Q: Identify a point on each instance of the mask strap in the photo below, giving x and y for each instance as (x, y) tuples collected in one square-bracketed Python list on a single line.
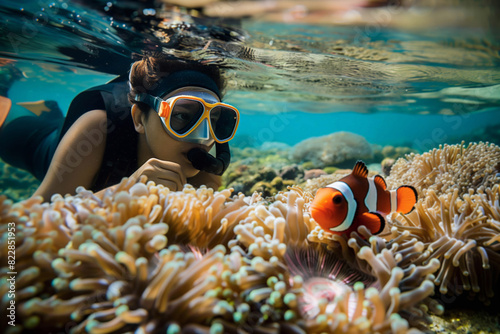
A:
[(152, 101)]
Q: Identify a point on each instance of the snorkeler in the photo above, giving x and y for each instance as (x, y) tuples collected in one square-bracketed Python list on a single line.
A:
[(161, 123)]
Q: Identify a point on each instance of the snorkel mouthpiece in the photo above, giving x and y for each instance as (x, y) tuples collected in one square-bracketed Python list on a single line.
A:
[(203, 161)]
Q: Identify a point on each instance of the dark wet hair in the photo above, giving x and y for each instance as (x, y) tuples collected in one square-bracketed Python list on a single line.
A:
[(146, 73)]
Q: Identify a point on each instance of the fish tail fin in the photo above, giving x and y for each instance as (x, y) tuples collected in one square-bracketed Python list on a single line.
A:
[(54, 109), (45, 108), (5, 105), (374, 221), (406, 199)]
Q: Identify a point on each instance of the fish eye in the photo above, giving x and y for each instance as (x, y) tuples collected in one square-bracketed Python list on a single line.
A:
[(337, 199)]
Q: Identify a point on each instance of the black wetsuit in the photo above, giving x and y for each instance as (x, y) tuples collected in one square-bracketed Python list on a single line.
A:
[(29, 142)]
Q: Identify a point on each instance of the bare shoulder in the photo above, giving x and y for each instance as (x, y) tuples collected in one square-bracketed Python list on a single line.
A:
[(92, 119), (78, 156), (87, 136)]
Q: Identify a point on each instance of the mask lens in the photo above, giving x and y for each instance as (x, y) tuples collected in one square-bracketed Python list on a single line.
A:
[(224, 121), (185, 113)]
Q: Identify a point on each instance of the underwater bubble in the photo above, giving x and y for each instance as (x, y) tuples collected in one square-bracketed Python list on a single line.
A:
[(149, 11)]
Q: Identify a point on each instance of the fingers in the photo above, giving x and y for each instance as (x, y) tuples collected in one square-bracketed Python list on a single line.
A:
[(170, 168), (169, 179), (166, 173)]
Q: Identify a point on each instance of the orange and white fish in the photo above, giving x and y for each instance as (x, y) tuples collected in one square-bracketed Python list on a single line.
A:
[(356, 199)]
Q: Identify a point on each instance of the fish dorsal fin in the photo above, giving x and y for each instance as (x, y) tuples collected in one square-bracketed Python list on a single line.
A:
[(380, 181), (360, 169)]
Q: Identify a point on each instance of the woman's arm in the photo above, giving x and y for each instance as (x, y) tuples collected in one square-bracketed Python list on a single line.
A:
[(78, 156)]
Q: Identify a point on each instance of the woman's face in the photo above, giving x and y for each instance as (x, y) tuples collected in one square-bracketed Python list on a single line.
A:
[(164, 146)]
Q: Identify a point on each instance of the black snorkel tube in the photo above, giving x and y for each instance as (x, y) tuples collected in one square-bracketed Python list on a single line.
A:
[(204, 161)]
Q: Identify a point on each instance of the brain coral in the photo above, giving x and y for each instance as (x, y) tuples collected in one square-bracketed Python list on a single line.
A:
[(339, 148), (146, 260)]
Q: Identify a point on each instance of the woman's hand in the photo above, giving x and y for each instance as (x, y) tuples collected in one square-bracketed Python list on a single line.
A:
[(162, 172), (208, 179)]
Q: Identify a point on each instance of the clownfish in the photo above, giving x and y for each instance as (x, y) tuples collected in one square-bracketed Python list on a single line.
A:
[(356, 199)]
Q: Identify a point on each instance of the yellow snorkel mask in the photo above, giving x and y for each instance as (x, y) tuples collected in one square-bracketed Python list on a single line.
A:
[(195, 117), (192, 116)]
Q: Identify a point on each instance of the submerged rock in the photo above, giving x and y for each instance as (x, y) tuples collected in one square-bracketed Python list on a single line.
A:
[(396, 152), (387, 164), (337, 149), (313, 173), (291, 172)]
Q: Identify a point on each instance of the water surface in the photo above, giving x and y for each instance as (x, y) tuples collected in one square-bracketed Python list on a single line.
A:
[(402, 76)]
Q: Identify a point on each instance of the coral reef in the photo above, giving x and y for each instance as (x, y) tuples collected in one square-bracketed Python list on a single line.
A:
[(142, 258), (313, 174), (386, 166), (395, 152), (16, 183), (312, 185), (270, 168), (337, 149), (262, 170)]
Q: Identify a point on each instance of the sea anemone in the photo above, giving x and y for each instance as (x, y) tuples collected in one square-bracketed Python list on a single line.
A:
[(111, 264), (463, 233), (398, 298), (457, 216), (325, 276), (391, 304), (447, 168), (97, 258), (142, 258)]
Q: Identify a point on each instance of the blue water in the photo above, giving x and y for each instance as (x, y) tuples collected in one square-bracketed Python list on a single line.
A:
[(284, 121), (422, 133), (413, 87)]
